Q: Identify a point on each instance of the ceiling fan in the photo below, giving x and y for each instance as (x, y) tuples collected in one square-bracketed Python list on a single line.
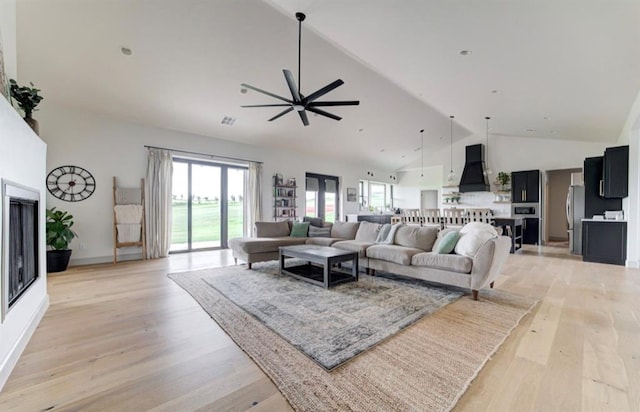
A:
[(298, 101)]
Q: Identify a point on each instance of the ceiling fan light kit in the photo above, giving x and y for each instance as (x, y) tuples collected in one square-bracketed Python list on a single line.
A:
[(298, 101)]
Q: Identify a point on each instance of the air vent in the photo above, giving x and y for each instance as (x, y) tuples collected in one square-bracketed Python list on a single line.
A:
[(229, 121)]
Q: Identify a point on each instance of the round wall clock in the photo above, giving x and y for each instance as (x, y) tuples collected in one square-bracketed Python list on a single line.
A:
[(71, 183)]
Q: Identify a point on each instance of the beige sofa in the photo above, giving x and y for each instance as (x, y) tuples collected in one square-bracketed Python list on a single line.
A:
[(409, 254)]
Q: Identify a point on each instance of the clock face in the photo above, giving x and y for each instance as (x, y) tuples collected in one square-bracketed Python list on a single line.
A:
[(71, 183)]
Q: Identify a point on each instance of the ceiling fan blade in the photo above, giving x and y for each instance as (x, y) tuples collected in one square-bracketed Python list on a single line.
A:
[(292, 85), (282, 113), (326, 89), (267, 105), (323, 113), (303, 117), (265, 92), (336, 103)]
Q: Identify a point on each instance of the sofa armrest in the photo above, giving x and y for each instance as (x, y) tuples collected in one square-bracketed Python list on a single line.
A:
[(488, 262)]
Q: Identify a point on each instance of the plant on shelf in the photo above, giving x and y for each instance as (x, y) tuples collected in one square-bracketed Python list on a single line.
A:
[(28, 99), (59, 235), (503, 180)]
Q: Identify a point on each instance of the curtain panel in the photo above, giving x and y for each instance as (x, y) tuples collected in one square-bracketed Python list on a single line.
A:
[(254, 193), (158, 192)]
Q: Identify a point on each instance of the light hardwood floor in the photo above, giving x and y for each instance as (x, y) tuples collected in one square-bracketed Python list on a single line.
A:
[(125, 337)]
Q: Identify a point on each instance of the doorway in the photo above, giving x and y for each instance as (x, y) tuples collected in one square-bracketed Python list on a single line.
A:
[(428, 199), (207, 204)]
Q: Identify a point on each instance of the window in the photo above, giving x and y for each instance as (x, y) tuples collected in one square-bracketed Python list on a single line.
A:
[(322, 197), (375, 196)]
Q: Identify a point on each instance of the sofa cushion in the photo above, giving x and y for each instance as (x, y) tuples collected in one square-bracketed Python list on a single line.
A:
[(322, 241), (368, 232), (447, 243), (315, 231), (416, 237), (450, 262), (314, 221), (353, 246), (272, 229), (392, 253), (264, 244), (344, 230), (299, 229)]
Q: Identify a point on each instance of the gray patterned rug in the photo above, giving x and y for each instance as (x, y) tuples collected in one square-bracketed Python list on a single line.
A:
[(329, 326)]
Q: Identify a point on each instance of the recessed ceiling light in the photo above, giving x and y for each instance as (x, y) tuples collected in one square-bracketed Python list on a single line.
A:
[(417, 149), (243, 90), (381, 150), (360, 130), (547, 118), (553, 131), (496, 91), (531, 130), (402, 156), (126, 51), (465, 52)]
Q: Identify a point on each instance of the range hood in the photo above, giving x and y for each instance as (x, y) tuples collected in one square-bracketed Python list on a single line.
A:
[(474, 178)]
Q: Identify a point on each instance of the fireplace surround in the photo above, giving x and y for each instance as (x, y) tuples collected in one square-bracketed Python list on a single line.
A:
[(20, 260)]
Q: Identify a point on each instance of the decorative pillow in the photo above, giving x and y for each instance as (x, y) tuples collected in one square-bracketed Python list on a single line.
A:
[(314, 221), (300, 229), (470, 243), (442, 233), (391, 237), (272, 229), (474, 227), (447, 243), (319, 231), (383, 232), (367, 232)]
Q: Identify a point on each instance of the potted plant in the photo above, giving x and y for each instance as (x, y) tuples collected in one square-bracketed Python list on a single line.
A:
[(59, 235), (503, 180), (28, 99)]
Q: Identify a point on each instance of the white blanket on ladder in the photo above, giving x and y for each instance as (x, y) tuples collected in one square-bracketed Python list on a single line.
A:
[(128, 214), (129, 233)]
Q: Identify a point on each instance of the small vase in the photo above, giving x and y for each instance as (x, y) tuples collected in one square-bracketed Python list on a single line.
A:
[(33, 123)]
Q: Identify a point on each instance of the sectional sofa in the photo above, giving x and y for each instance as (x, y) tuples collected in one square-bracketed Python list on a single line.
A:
[(409, 252)]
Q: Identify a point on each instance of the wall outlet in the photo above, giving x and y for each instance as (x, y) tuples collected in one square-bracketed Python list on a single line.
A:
[(82, 246)]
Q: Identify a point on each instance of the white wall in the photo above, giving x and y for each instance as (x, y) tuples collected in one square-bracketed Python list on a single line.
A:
[(22, 161), (107, 147), (410, 184)]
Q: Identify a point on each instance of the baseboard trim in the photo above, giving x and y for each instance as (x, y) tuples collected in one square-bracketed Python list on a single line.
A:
[(632, 264), (105, 259), (14, 355)]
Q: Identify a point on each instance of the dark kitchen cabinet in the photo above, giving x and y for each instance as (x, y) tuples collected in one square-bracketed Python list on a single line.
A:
[(594, 202), (604, 242), (530, 230), (525, 186), (616, 172)]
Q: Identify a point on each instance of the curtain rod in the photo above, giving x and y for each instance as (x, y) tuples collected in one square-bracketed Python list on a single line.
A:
[(202, 154)]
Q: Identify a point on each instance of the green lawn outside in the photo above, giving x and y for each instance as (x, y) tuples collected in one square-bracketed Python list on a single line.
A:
[(206, 221)]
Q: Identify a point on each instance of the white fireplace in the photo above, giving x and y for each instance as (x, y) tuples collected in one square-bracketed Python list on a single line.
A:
[(20, 260)]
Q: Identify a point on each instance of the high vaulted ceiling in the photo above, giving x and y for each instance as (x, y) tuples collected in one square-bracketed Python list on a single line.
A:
[(553, 69)]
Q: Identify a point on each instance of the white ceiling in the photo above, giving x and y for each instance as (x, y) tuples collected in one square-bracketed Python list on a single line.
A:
[(575, 63)]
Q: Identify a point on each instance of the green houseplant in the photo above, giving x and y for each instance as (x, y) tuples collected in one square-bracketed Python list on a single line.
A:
[(28, 99), (503, 179), (58, 237)]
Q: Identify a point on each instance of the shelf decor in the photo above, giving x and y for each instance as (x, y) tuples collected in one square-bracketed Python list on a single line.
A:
[(284, 198)]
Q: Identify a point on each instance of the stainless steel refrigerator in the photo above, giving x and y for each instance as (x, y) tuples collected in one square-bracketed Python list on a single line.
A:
[(575, 214)]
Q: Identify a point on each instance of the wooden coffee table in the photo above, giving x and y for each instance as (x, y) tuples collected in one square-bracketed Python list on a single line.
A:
[(319, 267)]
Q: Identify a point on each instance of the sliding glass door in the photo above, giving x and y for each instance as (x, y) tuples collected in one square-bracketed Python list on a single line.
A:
[(321, 197), (208, 204)]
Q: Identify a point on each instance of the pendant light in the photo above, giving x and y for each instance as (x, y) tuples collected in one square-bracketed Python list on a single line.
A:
[(487, 171), (421, 152), (451, 177)]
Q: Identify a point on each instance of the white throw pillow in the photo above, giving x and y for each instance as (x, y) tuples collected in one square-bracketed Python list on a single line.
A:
[(475, 227), (470, 243)]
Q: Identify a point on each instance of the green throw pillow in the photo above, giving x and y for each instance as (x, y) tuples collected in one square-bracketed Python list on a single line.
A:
[(299, 229), (447, 243)]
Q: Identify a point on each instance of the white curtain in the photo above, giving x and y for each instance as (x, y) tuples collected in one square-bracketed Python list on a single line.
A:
[(254, 193), (157, 193)]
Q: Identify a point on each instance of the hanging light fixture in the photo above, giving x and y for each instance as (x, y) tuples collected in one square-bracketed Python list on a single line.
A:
[(421, 152), (487, 171), (451, 177)]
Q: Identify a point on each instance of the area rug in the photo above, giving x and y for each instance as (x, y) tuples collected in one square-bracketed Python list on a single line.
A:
[(333, 325), (426, 366)]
